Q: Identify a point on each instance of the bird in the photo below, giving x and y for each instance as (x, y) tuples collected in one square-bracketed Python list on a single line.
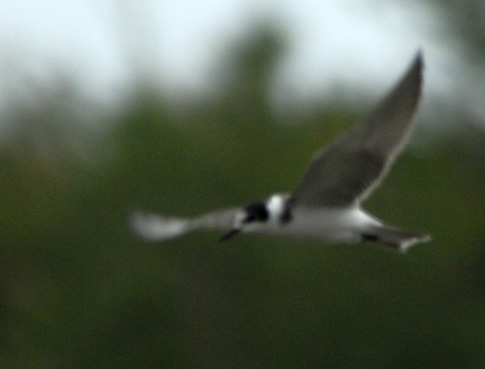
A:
[(326, 206)]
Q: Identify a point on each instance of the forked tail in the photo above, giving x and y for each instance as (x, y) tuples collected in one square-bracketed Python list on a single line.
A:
[(396, 238)]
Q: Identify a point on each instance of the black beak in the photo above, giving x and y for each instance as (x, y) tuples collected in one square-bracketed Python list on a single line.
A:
[(229, 234)]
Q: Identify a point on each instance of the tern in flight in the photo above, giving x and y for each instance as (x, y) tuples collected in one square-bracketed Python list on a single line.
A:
[(326, 205)]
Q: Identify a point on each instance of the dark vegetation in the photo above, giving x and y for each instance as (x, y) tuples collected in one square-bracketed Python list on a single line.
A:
[(78, 291)]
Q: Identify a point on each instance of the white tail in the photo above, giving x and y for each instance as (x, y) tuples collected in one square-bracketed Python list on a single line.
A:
[(396, 238)]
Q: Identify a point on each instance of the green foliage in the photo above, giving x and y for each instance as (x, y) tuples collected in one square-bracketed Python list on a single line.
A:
[(78, 291)]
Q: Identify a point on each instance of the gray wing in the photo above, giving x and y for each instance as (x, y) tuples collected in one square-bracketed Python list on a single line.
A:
[(347, 171)]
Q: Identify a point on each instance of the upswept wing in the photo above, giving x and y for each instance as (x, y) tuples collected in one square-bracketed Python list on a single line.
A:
[(351, 167)]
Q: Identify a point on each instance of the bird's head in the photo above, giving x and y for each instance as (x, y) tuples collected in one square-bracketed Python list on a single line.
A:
[(257, 214)]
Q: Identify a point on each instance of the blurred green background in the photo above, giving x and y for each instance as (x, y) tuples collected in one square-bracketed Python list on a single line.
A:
[(77, 290)]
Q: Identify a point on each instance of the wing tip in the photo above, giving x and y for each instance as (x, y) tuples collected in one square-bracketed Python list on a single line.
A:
[(418, 64), (154, 228), (419, 58)]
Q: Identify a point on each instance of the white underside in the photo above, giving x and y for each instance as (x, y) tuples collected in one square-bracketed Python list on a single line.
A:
[(331, 225), (335, 225)]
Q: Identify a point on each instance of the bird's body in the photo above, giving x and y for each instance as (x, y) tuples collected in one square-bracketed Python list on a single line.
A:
[(331, 224), (326, 205)]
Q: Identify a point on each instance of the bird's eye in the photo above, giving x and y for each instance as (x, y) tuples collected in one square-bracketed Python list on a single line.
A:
[(256, 211)]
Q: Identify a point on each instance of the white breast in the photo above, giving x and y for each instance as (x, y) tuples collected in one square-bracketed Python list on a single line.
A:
[(335, 225), (276, 206)]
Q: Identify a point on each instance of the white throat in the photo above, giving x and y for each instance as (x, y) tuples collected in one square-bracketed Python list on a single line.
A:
[(276, 205)]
